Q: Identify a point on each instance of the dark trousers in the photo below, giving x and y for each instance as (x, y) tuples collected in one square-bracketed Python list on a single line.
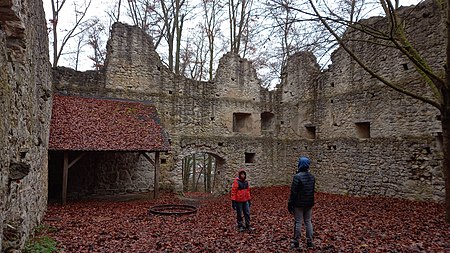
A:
[(243, 208)]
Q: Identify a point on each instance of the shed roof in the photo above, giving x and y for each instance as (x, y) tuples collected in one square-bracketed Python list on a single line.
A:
[(94, 124)]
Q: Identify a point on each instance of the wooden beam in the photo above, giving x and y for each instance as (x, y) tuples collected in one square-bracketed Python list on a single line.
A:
[(76, 160), (65, 176), (156, 164), (66, 168), (157, 171), (149, 158)]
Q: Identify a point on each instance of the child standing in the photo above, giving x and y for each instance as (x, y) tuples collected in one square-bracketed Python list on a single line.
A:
[(241, 200)]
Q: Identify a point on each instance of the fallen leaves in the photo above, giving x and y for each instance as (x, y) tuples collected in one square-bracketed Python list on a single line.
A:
[(341, 224), (80, 123)]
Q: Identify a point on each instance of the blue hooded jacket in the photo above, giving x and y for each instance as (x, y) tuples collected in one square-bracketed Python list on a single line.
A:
[(302, 188), (303, 164)]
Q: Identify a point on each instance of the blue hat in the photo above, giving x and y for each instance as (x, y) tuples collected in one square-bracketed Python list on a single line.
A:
[(303, 164)]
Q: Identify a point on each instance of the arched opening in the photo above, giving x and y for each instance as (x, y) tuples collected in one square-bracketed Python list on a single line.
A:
[(201, 172)]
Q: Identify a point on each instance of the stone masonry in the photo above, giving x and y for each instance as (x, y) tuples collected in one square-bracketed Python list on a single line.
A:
[(25, 105), (363, 137)]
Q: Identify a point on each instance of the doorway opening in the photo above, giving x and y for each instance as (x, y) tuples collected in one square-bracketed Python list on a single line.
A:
[(200, 172)]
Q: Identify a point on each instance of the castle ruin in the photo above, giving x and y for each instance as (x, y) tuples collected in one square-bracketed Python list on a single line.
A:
[(363, 138)]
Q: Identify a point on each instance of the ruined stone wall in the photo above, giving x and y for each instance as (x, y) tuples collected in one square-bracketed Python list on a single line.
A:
[(370, 139), (363, 138), (25, 102), (189, 110)]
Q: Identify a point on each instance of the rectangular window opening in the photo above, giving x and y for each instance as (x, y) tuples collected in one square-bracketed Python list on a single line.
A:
[(310, 132), (267, 121), (242, 122), (250, 157), (363, 130)]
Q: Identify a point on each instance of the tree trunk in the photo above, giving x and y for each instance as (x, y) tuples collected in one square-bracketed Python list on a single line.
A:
[(208, 172)]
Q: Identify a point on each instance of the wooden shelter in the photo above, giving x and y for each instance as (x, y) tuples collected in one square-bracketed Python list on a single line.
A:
[(98, 124)]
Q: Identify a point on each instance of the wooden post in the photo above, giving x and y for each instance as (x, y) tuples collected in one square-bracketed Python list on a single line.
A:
[(157, 170), (156, 164), (65, 176), (66, 168)]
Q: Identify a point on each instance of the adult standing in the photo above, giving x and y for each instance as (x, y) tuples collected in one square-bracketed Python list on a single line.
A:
[(301, 202)]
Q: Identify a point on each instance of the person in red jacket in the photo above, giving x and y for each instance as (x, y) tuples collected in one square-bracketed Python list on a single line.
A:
[(241, 200)]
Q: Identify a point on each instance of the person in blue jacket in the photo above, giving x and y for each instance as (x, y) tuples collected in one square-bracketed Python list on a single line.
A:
[(301, 202)]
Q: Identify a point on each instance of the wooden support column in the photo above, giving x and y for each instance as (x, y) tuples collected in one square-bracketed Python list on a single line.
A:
[(157, 171), (66, 168), (65, 176), (155, 164)]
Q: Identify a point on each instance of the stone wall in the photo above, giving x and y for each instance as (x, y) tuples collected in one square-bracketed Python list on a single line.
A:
[(132, 173), (399, 155), (25, 102), (363, 138)]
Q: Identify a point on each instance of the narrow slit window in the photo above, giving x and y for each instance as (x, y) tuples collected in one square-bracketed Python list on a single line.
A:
[(439, 141)]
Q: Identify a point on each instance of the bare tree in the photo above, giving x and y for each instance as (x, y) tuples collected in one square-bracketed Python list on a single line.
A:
[(199, 54), (79, 15), (75, 55), (173, 15), (96, 34), (213, 18), (239, 14), (114, 12), (199, 171), (147, 15)]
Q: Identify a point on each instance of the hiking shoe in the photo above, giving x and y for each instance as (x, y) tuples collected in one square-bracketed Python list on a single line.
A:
[(309, 244), (249, 228), (241, 229), (295, 245)]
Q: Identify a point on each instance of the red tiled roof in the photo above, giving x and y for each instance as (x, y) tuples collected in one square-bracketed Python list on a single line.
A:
[(94, 124)]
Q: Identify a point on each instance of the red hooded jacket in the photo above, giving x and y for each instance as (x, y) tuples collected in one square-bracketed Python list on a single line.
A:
[(240, 191)]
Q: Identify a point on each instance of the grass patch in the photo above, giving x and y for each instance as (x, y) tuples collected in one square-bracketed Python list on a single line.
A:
[(41, 244)]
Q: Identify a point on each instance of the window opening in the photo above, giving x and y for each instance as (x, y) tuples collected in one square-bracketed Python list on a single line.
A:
[(249, 157), (310, 132), (242, 122), (363, 130), (267, 121)]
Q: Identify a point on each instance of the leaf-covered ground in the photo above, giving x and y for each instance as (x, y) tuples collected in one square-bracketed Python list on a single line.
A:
[(341, 224)]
